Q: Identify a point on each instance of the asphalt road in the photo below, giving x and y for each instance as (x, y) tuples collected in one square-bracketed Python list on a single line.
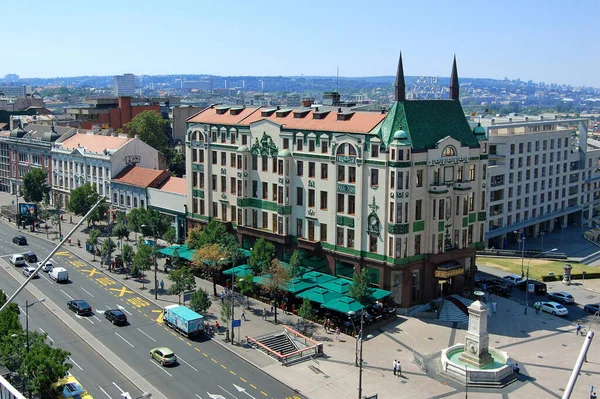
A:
[(96, 375), (206, 370)]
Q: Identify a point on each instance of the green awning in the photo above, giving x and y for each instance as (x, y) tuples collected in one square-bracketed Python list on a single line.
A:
[(297, 285), (262, 279), (238, 271), (376, 294), (319, 295), (343, 305), (339, 285), (317, 277), (182, 250), (244, 252)]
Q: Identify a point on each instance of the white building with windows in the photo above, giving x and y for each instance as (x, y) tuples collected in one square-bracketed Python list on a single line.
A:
[(124, 85), (401, 193), (80, 158)]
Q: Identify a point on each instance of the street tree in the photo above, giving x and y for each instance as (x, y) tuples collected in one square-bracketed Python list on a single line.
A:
[(181, 280), (175, 162), (261, 256), (359, 289), (210, 258), (82, 200), (245, 286), (279, 278), (212, 233), (121, 231), (128, 253), (200, 301), (151, 128), (93, 241), (143, 258), (305, 312), (154, 224), (9, 317), (108, 247), (135, 219), (170, 236), (295, 261), (226, 313), (35, 186)]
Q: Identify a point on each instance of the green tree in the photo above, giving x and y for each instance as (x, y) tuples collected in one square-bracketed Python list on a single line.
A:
[(135, 219), (200, 301), (108, 247), (93, 240), (170, 236), (295, 267), (305, 312), (245, 286), (212, 233), (143, 258), (181, 280), (226, 313), (359, 290), (9, 318), (278, 279), (210, 258), (151, 128), (175, 162), (154, 224), (261, 256), (82, 200), (128, 254), (35, 186), (121, 231)]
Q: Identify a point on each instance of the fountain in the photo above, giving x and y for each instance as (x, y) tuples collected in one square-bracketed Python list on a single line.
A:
[(474, 361)]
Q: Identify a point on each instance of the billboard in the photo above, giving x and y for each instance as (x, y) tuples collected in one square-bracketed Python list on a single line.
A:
[(27, 213)]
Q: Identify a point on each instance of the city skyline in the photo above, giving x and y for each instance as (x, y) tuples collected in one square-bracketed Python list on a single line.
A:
[(520, 41)]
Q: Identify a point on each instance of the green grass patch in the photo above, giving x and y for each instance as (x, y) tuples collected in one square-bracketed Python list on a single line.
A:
[(538, 268)]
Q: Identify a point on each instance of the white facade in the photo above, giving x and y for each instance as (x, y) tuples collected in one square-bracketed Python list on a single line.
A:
[(124, 85)]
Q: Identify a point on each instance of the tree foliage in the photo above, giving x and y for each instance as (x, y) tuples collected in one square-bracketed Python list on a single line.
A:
[(212, 233), (359, 290), (245, 286), (181, 280), (226, 311), (82, 200), (279, 277), (121, 231), (175, 162), (154, 224), (295, 261), (143, 258), (93, 240), (305, 312), (200, 301), (210, 259), (108, 247), (128, 253), (170, 235), (261, 256), (35, 186), (150, 127), (135, 219)]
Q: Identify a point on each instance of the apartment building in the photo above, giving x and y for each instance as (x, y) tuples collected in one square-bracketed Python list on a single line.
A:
[(400, 193), (124, 85), (541, 176)]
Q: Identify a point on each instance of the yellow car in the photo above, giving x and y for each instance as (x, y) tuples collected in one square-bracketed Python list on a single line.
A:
[(69, 388)]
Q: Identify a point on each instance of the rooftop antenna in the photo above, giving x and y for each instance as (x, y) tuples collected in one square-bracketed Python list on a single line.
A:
[(337, 80)]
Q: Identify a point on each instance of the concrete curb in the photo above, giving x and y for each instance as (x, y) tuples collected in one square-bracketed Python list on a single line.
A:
[(97, 346)]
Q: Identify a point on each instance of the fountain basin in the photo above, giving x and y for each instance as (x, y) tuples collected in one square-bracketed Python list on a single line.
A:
[(498, 373)]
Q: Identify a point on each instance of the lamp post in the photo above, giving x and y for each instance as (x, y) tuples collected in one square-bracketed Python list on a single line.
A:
[(522, 241), (154, 257), (527, 279), (359, 338), (542, 234), (27, 306)]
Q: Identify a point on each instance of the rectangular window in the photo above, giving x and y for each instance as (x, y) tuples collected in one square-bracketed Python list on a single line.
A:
[(311, 198), (417, 244), (323, 147), (324, 200), (223, 159), (392, 179), (299, 196), (265, 190), (300, 168), (214, 157), (239, 162), (339, 236), (223, 211), (201, 180), (372, 243), (201, 156), (232, 160), (233, 142), (351, 204), (232, 181), (351, 174), (311, 146), (323, 232), (274, 192), (244, 139), (374, 177), (350, 241), (254, 162), (223, 184), (340, 203), (374, 150), (214, 183), (286, 144), (280, 167), (324, 171), (420, 178), (265, 164), (341, 173), (299, 144), (265, 220), (418, 210), (311, 169), (254, 189)]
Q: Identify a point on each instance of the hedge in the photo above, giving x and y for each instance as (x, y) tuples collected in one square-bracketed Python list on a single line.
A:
[(577, 276)]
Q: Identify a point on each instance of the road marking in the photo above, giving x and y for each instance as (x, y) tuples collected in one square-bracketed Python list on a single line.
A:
[(232, 372), (77, 263), (224, 368), (68, 296), (162, 368), (75, 363), (25, 313), (243, 379), (104, 392), (64, 253), (119, 388), (214, 360), (146, 335), (86, 318), (44, 277), (91, 272), (47, 336), (215, 396), (188, 343), (138, 302), (122, 308), (198, 396), (119, 335), (253, 386), (96, 317), (193, 368), (159, 319), (231, 393), (264, 393), (87, 292), (105, 281), (121, 290)]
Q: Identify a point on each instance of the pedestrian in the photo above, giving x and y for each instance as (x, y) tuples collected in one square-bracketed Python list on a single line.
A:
[(244, 315), (578, 328), (165, 268), (222, 296), (494, 306), (593, 395), (264, 315), (395, 365), (337, 333), (217, 327), (398, 369), (325, 326), (162, 285), (272, 309), (516, 368)]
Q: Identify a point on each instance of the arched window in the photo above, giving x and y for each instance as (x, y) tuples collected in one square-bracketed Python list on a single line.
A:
[(342, 149), (449, 151), (346, 149)]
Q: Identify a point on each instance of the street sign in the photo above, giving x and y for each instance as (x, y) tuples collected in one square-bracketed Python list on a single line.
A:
[(187, 295), (236, 323)]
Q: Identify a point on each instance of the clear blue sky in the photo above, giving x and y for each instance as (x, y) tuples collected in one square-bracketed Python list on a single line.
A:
[(549, 41)]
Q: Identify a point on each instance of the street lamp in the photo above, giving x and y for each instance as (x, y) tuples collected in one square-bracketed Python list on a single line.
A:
[(522, 242), (562, 232), (154, 255), (359, 337), (542, 234), (27, 306), (527, 280)]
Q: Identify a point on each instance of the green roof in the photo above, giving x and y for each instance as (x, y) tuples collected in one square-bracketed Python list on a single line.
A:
[(238, 271), (182, 250), (426, 122), (319, 295), (317, 277), (343, 305), (340, 285), (376, 294), (297, 285)]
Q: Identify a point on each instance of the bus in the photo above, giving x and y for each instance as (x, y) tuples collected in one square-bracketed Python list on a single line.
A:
[(69, 388)]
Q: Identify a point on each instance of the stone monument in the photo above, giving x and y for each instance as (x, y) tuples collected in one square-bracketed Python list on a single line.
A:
[(477, 339)]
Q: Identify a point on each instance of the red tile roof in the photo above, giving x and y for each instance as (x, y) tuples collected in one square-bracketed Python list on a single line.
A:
[(95, 143), (175, 185), (141, 177), (210, 115)]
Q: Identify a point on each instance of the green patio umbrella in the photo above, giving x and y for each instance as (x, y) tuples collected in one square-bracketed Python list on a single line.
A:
[(319, 295), (297, 285), (238, 271), (262, 279), (376, 294), (317, 277), (343, 305), (339, 285)]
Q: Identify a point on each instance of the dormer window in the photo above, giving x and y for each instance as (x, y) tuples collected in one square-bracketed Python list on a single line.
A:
[(375, 150), (320, 114), (267, 112), (449, 151), (299, 114), (311, 146), (236, 111), (222, 110)]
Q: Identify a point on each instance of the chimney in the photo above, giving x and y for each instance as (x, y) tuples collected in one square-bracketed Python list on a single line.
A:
[(125, 107), (307, 101)]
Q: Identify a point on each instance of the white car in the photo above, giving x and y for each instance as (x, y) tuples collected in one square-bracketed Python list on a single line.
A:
[(513, 279), (554, 308), (47, 267), (28, 271)]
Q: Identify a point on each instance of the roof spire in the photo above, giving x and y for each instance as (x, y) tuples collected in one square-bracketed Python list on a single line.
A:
[(399, 85), (454, 81)]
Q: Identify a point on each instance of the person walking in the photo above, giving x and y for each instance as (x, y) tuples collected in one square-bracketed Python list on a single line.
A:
[(244, 315), (326, 325), (264, 315), (395, 366), (337, 333), (578, 328), (162, 285), (398, 369), (222, 297)]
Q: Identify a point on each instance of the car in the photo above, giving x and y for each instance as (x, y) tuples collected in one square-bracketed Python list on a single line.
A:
[(79, 306), (47, 267), (513, 279), (480, 281), (115, 316), (18, 260), (499, 287), (28, 271), (592, 307), (20, 240), (554, 308), (561, 297), (30, 257), (164, 356), (539, 288)]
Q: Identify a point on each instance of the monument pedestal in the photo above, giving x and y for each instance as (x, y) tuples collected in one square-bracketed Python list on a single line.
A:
[(477, 338)]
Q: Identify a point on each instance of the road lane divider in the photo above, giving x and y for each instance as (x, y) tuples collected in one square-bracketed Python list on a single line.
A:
[(119, 335), (68, 296), (192, 367), (118, 387), (75, 363), (162, 368), (103, 391), (146, 335), (91, 271), (96, 317), (122, 309), (47, 336), (87, 292)]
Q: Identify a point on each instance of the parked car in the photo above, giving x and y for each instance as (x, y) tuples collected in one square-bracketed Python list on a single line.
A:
[(28, 271), (513, 279), (164, 356), (499, 287), (18, 260), (30, 257), (47, 267), (539, 288), (20, 240), (79, 306), (115, 316), (561, 297), (592, 307), (480, 281), (554, 308)]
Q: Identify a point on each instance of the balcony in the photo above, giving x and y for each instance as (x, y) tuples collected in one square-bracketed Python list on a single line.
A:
[(268, 235), (304, 243), (438, 188), (462, 185)]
